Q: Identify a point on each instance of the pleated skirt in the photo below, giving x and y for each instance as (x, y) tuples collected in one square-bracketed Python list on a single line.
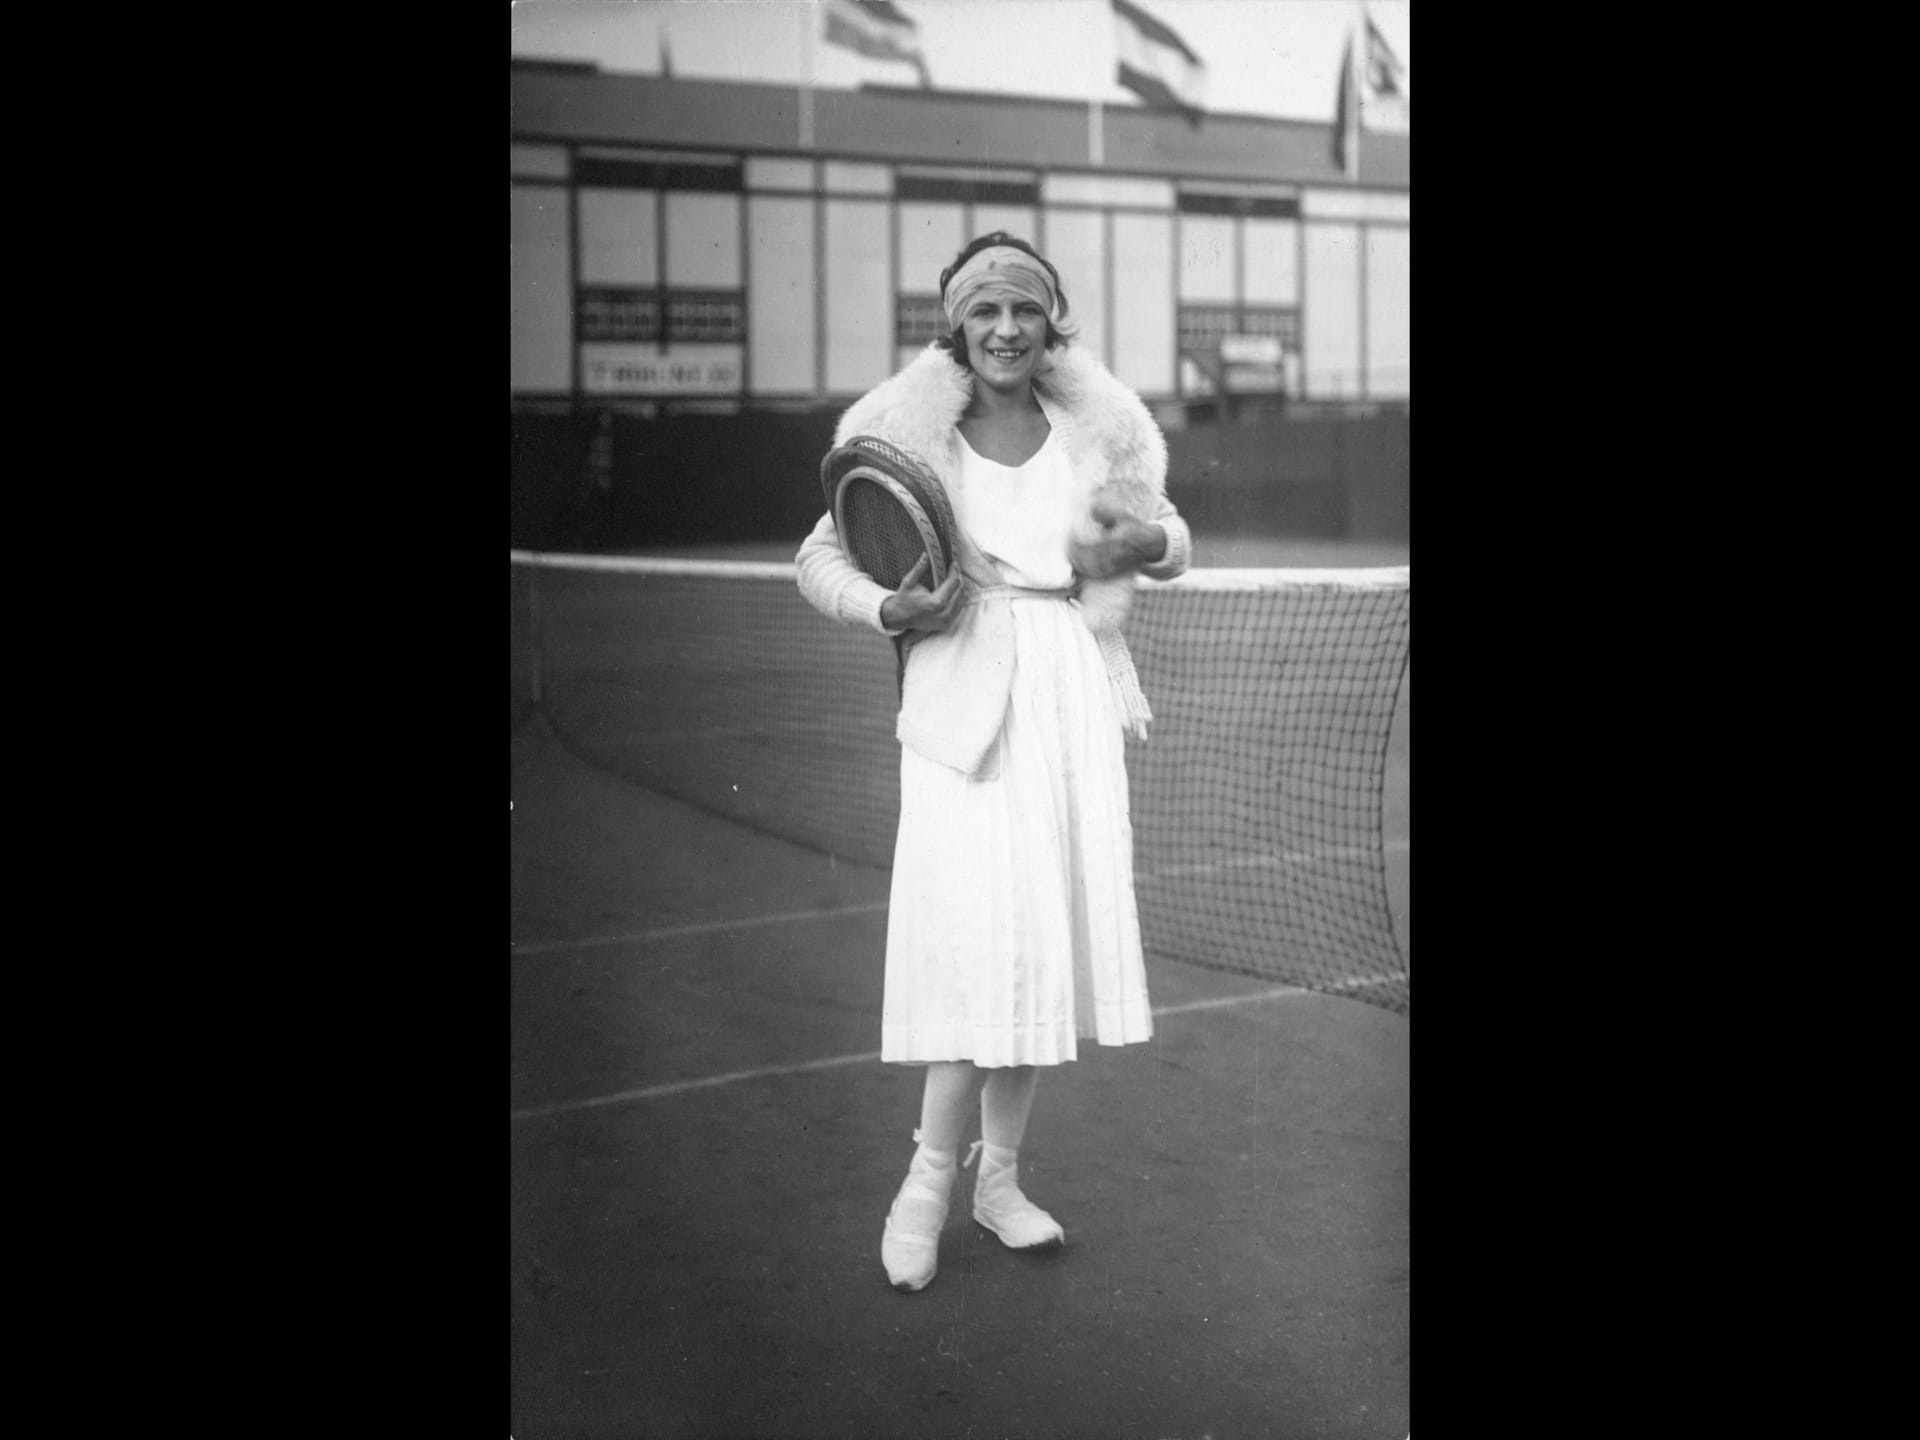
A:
[(1012, 932)]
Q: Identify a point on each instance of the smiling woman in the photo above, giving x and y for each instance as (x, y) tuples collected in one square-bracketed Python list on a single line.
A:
[(963, 282), (1013, 931), (1002, 297), (1004, 340)]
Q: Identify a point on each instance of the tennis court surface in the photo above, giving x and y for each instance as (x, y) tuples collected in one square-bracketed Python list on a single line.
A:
[(704, 1142)]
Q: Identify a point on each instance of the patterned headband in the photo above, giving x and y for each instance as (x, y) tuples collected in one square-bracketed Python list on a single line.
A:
[(1003, 268)]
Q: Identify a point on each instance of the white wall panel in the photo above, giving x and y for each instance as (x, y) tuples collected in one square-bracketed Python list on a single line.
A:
[(1057, 189), (1389, 312), (1076, 244), (1356, 205), (1014, 219), (618, 243), (781, 287), (859, 306), (1207, 259), (1331, 313), (1272, 260), (931, 234), (842, 176), (765, 173), (1143, 279), (703, 240), (542, 305)]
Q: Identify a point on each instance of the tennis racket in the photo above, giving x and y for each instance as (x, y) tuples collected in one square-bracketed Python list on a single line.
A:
[(891, 512), (894, 521)]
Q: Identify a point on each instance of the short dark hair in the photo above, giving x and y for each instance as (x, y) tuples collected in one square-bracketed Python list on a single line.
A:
[(954, 342)]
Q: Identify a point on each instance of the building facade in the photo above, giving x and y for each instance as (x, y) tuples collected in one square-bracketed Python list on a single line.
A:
[(683, 246)]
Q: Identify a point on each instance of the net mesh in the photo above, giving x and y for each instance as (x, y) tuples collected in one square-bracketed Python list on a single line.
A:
[(1257, 804)]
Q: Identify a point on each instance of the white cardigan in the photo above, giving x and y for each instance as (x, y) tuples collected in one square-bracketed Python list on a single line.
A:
[(958, 679)]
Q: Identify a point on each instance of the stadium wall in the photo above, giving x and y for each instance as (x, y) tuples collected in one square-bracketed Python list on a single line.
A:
[(608, 482)]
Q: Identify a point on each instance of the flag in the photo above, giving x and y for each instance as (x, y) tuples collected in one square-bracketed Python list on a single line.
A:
[(1156, 64), (878, 30), (1374, 95), (1346, 118), (1384, 99)]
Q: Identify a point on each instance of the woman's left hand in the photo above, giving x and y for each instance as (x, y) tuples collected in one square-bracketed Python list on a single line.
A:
[(1121, 544)]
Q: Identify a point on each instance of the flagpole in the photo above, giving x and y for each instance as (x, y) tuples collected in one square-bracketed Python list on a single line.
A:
[(1361, 56), (808, 25), (1096, 108), (1348, 114)]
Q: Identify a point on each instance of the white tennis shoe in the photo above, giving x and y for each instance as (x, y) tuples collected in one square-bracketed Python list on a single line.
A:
[(999, 1205), (910, 1244)]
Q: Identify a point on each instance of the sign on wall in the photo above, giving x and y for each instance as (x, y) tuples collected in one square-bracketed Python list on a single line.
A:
[(1244, 349), (615, 369), (626, 313)]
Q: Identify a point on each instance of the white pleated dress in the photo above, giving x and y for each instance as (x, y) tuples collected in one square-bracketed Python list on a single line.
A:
[(1012, 931)]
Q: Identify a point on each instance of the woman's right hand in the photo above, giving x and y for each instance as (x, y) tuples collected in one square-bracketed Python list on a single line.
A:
[(913, 607)]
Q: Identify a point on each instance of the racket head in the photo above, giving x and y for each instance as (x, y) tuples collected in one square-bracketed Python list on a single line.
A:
[(890, 510)]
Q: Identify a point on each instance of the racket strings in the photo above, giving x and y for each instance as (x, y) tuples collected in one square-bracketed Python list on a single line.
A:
[(890, 510), (878, 532)]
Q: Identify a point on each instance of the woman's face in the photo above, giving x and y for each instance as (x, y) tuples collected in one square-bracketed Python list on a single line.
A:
[(1006, 336)]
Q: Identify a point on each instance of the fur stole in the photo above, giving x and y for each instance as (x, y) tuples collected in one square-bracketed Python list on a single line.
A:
[(1113, 443)]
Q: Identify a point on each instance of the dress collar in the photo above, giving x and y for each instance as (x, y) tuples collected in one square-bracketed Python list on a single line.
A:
[(1057, 418)]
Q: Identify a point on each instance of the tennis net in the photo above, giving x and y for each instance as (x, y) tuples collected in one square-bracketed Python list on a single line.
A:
[(1257, 805)]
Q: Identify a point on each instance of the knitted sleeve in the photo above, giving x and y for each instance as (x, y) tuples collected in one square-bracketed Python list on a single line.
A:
[(836, 587), (1179, 544)]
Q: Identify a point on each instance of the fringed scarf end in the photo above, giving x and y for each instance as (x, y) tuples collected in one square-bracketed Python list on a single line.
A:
[(1135, 713)]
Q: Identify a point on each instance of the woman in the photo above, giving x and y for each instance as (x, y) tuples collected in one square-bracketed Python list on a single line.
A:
[(1013, 931)]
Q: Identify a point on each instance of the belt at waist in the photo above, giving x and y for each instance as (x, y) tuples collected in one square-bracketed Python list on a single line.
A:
[(1018, 592)]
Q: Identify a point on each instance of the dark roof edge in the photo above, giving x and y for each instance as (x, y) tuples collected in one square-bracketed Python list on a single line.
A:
[(1056, 102), (906, 92), (560, 67), (1141, 139)]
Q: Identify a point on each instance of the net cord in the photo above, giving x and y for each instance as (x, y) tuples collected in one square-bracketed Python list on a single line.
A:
[(1384, 577)]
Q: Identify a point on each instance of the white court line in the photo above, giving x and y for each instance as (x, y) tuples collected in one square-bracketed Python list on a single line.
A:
[(1285, 857), (733, 1077), (704, 927), (680, 1087), (708, 927)]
